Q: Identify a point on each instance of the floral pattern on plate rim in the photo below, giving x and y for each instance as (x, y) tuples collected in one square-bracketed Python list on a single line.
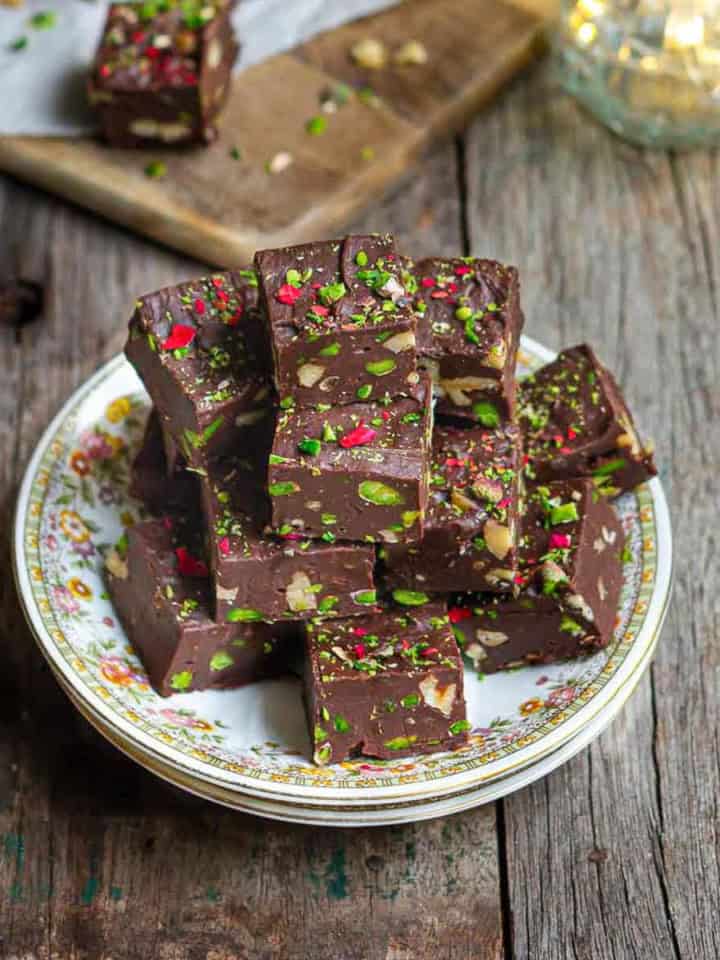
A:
[(79, 493)]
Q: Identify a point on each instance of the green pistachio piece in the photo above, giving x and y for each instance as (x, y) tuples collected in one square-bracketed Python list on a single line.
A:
[(410, 598), (331, 350), (364, 391), (310, 446), (486, 413), (283, 489), (364, 597), (400, 743), (243, 615), (380, 368), (563, 513), (373, 491), (181, 681), (221, 660), (411, 700), (459, 726), (341, 724)]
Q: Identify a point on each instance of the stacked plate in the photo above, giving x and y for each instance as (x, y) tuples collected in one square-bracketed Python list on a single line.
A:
[(247, 748)]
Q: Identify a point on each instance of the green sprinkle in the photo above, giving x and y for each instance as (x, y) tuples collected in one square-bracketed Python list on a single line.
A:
[(274, 458), (373, 491), (45, 20), (310, 446), (328, 433), (319, 733), (626, 555), (470, 333), (287, 403), (316, 126), (341, 724), (361, 258), (364, 391), (332, 292), (181, 681), (563, 513), (568, 625), (293, 278), (410, 598), (156, 169), (411, 700), (235, 153), (327, 604), (486, 413), (459, 726), (411, 418), (409, 517), (380, 368), (283, 489), (323, 754), (19, 44), (243, 615), (463, 313), (328, 536), (331, 350), (610, 467), (221, 660), (400, 743), (328, 519), (365, 598), (325, 714)]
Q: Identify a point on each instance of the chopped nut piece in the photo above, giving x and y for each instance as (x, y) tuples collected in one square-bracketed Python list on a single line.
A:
[(281, 161), (434, 695), (498, 538), (412, 53), (491, 638), (369, 53)]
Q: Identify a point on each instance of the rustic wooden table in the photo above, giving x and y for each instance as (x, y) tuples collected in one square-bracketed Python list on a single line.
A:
[(615, 855)]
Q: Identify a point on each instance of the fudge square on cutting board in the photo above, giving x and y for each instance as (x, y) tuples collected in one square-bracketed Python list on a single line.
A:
[(260, 577), (386, 685), (570, 581), (161, 593), (162, 71), (469, 323), (471, 522), (340, 320), (576, 423), (353, 471), (196, 346)]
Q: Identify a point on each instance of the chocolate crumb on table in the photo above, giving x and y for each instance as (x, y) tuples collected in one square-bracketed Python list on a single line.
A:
[(162, 71), (471, 522), (386, 685), (160, 589), (352, 472), (469, 323), (340, 320), (576, 423), (259, 577), (570, 578), (196, 346)]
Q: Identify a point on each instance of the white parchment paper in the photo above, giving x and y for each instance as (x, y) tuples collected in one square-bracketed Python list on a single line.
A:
[(42, 87)]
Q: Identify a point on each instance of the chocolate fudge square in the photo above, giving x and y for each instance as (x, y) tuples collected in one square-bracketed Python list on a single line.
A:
[(471, 522), (158, 474), (469, 323), (386, 685), (576, 424), (258, 577), (193, 347), (570, 581), (161, 593), (352, 472), (340, 320), (162, 71)]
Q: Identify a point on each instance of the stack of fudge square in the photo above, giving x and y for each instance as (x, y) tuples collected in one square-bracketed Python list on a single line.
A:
[(339, 458)]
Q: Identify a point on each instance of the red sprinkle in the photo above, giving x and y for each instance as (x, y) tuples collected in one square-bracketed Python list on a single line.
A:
[(224, 546), (519, 579), (199, 306), (234, 320), (571, 434), (458, 614), (288, 294), (152, 52), (222, 296), (452, 288), (105, 70), (385, 415), (565, 450), (427, 282), (190, 566), (359, 651), (430, 652), (463, 271), (360, 631), (180, 336), (319, 310), (454, 462), (138, 36), (358, 437), (217, 282), (439, 294), (560, 540)]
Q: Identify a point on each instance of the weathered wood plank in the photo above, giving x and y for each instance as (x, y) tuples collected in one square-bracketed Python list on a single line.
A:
[(97, 857), (616, 855)]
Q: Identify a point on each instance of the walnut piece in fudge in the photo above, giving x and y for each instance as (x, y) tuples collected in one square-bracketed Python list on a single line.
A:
[(340, 321), (470, 533), (193, 345), (386, 685), (469, 323), (162, 71), (570, 581), (161, 592), (354, 471), (257, 577), (576, 424)]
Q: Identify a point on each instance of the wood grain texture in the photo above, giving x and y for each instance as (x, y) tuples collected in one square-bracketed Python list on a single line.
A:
[(616, 854), (99, 859), (221, 210)]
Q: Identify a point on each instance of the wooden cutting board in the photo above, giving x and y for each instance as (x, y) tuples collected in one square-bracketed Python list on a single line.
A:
[(221, 209)]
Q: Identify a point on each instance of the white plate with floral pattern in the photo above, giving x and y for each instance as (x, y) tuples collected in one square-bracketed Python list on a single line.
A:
[(251, 742)]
